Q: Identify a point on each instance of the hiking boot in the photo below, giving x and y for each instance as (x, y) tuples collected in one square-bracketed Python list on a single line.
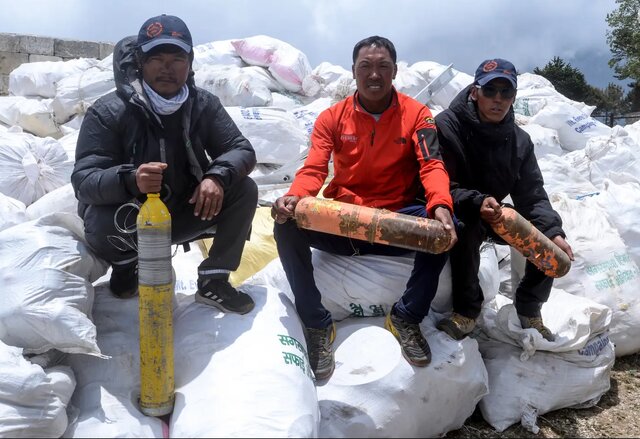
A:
[(124, 280), (457, 326), (414, 346), (537, 324), (220, 293), (319, 343)]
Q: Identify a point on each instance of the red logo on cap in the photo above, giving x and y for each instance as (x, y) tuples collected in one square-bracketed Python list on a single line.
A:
[(489, 66), (154, 29)]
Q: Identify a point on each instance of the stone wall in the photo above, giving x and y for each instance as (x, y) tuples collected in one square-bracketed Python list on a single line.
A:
[(16, 49)]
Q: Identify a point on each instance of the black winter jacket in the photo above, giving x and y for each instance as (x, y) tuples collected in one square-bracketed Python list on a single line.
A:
[(121, 132), (495, 160)]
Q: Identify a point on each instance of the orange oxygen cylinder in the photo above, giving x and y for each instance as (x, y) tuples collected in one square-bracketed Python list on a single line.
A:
[(155, 308), (532, 243), (379, 226)]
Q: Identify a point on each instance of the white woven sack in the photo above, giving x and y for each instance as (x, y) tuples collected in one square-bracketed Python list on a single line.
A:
[(236, 86), (521, 391), (52, 241), (603, 270), (62, 199), (535, 92), (288, 65), (333, 79), (614, 156), (545, 140), (362, 285), (40, 78), (216, 356), (375, 392), (76, 93), (33, 401), (215, 53), (574, 127), (622, 204), (33, 115), (368, 285), (275, 134), (560, 177), (47, 308), (573, 320), (31, 166)]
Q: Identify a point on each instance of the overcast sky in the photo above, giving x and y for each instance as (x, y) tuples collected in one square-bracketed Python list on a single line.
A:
[(463, 32)]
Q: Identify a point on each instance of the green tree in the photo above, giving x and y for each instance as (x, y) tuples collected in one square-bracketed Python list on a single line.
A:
[(632, 100), (568, 81), (614, 99), (611, 102), (623, 38)]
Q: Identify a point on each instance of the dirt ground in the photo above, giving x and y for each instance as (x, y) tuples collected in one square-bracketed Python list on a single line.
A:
[(616, 415)]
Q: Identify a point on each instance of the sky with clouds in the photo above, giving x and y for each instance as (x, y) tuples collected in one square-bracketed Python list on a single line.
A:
[(462, 32)]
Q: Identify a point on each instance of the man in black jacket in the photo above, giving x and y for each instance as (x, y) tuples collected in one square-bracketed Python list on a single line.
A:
[(158, 133), (488, 157)]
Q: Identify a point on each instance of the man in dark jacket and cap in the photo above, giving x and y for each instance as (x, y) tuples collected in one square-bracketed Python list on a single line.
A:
[(159, 133), (488, 157)]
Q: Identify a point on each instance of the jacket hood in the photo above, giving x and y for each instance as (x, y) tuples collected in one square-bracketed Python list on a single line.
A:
[(125, 66)]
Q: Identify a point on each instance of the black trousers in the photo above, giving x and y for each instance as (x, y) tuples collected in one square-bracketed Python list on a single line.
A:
[(294, 248), (232, 228), (531, 293)]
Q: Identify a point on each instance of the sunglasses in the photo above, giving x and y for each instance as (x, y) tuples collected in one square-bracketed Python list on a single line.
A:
[(489, 91)]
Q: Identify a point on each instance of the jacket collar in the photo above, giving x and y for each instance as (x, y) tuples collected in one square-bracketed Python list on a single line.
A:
[(466, 112), (392, 105)]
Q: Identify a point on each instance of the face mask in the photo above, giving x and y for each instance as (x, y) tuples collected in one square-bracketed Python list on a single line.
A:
[(164, 106)]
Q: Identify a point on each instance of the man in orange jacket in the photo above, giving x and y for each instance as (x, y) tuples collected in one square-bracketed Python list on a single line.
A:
[(385, 155)]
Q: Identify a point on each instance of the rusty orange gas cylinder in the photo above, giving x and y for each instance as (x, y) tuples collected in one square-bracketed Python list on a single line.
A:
[(379, 226), (532, 243)]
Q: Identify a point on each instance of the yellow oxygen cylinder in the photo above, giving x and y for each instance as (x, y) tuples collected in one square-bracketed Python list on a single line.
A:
[(156, 313)]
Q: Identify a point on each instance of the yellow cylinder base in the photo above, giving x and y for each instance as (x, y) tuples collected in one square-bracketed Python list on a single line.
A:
[(156, 350)]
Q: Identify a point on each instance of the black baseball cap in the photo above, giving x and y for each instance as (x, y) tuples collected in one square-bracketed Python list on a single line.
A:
[(491, 69), (164, 29)]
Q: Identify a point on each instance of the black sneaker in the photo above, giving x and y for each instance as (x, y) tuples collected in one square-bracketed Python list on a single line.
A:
[(319, 343), (414, 346), (220, 293), (124, 280)]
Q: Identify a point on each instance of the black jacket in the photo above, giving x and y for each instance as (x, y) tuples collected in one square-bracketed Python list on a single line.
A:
[(495, 160), (120, 132)]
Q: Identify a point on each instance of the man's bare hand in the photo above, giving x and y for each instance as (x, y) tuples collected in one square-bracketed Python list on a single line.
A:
[(490, 210), (564, 246), (283, 208), (208, 198), (444, 216), (149, 177)]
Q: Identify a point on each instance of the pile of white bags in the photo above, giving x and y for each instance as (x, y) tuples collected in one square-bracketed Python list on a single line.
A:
[(40, 78), (274, 96), (76, 93)]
